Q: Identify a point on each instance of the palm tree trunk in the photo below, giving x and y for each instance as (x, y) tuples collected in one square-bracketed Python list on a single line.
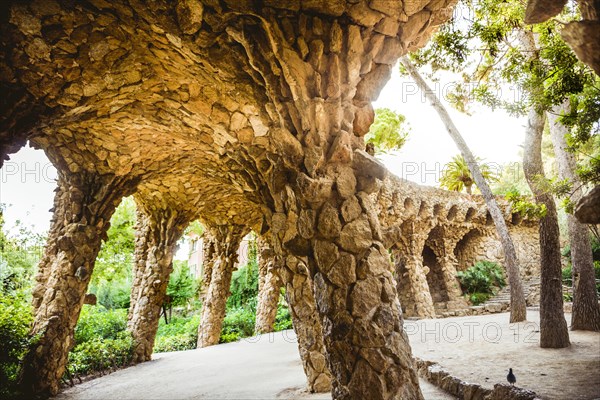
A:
[(518, 310), (586, 311), (553, 327)]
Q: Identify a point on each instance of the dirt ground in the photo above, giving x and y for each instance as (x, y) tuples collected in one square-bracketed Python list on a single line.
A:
[(480, 349)]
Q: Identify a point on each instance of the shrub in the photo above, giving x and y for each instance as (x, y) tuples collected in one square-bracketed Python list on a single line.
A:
[(482, 278), (567, 275), (244, 286), (180, 334), (96, 322), (283, 320), (113, 295), (182, 286), (238, 323), (100, 354), (479, 298), (15, 321)]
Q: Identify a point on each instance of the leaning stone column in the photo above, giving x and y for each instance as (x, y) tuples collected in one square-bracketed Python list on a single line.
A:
[(158, 231), (269, 285), (321, 72), (449, 262), (412, 278), (84, 204), (307, 325), (227, 243), (208, 259)]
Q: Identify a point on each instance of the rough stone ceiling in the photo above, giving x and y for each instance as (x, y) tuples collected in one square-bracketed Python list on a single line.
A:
[(190, 95)]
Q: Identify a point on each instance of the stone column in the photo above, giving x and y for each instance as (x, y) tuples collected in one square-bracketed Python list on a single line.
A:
[(411, 277), (321, 74), (158, 231), (83, 205), (269, 285), (227, 243), (307, 325), (208, 258), (449, 262)]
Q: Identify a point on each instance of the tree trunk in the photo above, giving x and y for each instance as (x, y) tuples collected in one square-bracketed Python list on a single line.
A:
[(553, 327), (586, 310), (227, 243), (518, 310)]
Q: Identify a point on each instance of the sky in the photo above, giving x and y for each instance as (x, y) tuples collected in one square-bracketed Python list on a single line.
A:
[(27, 180)]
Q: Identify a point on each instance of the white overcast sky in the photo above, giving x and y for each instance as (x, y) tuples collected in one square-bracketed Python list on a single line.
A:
[(27, 181)]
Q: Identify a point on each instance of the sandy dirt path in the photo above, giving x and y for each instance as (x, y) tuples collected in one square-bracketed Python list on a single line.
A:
[(480, 349)]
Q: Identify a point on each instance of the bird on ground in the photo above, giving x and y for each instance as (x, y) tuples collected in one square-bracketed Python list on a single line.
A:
[(511, 378)]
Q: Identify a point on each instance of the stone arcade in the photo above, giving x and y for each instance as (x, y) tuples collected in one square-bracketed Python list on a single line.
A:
[(248, 115)]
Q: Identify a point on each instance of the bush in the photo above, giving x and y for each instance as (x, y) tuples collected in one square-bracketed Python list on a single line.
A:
[(101, 342), (283, 320), (100, 354), (482, 278), (244, 286), (238, 323), (113, 295), (180, 334), (15, 321), (96, 322), (567, 275), (479, 298), (182, 286)]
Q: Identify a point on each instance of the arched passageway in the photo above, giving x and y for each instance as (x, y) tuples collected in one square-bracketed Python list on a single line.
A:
[(435, 276)]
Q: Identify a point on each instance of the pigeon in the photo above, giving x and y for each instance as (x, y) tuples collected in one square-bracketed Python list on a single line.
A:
[(511, 378)]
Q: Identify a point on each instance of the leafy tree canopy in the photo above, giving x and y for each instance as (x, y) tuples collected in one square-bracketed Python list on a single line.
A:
[(388, 132), (457, 176)]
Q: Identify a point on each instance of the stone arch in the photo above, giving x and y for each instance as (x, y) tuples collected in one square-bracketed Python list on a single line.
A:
[(409, 205), (471, 213), (435, 277), (452, 213), (467, 248), (433, 253), (516, 218), (438, 210), (423, 209)]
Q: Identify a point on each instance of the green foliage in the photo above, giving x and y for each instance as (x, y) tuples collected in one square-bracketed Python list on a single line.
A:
[(113, 295), (180, 333), (511, 179), (15, 321), (457, 176), (182, 286), (524, 205), (98, 322), (101, 342), (196, 228), (482, 278), (479, 298), (19, 256), (100, 354), (238, 323), (283, 320), (244, 286), (499, 61), (388, 132), (115, 258)]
